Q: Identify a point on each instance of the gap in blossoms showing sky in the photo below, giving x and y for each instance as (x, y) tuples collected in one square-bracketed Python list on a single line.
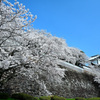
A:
[(77, 21)]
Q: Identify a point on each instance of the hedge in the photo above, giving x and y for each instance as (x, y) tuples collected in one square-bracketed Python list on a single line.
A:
[(4, 95), (95, 98), (79, 98), (45, 98), (57, 98), (22, 96)]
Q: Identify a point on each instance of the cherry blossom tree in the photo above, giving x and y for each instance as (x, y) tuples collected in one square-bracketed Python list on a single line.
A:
[(15, 25), (97, 75), (28, 51), (96, 72)]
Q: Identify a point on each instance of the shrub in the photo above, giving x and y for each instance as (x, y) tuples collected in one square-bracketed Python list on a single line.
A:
[(96, 98), (9, 99), (35, 98), (4, 96), (79, 98), (22, 96), (57, 98), (45, 98)]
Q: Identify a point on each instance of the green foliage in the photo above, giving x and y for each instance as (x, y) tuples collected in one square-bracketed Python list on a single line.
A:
[(8, 99), (45, 98), (22, 96), (57, 98), (4, 96), (35, 98), (79, 98), (95, 98)]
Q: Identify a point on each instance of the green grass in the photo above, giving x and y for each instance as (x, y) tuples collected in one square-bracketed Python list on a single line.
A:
[(70, 99)]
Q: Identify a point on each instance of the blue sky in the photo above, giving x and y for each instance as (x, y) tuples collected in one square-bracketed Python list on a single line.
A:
[(77, 21)]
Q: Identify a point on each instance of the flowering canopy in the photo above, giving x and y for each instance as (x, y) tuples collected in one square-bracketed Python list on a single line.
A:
[(23, 47)]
